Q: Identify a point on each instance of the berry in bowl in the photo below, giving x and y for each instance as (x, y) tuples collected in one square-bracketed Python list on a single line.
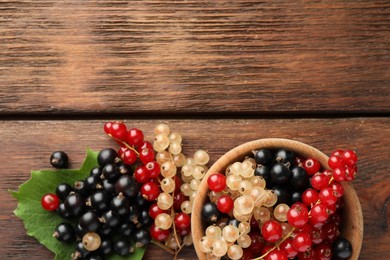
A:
[(278, 199)]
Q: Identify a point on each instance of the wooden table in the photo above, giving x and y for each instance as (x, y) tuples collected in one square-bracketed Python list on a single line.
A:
[(219, 72)]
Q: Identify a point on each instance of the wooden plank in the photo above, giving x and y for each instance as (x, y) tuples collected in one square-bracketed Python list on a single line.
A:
[(157, 56), (26, 145)]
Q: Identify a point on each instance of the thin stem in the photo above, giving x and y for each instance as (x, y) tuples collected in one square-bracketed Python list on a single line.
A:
[(160, 245), (125, 144)]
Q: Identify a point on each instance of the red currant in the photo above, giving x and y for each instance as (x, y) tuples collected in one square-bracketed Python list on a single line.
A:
[(143, 145), (331, 208), (307, 228), (141, 174), (118, 130), (178, 199), (50, 202), (276, 255), (225, 204), (288, 248), (320, 181), (310, 197), (350, 173), (257, 241), (183, 232), (302, 242), (178, 182), (267, 248), (327, 196), (247, 254), (307, 255), (319, 213), (216, 182), (134, 137), (317, 236), (150, 191), (271, 231), (339, 174), (182, 221), (154, 211), (298, 215), (323, 252), (335, 161), (349, 157), (337, 188), (159, 234), (337, 152), (331, 232), (107, 127), (127, 155), (153, 169), (146, 155), (311, 166), (335, 219)]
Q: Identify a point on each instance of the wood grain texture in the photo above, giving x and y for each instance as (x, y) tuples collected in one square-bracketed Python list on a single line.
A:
[(26, 145), (173, 57)]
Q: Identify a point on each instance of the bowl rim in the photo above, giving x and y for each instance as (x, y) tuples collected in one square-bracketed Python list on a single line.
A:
[(355, 230)]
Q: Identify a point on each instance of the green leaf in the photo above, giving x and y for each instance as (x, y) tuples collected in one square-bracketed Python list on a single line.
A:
[(40, 223)]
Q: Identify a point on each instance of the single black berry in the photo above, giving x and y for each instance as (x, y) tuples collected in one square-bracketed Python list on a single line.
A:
[(89, 221), (80, 187), (127, 229), (74, 204), (107, 156), (296, 196), (110, 219), (120, 205), (127, 185), (141, 201), (64, 232), (284, 195), (63, 190), (286, 157), (59, 159), (106, 247), (106, 230), (95, 256), (134, 213), (97, 171), (264, 157), (145, 219), (210, 213), (122, 247), (233, 221), (125, 169), (342, 249), (81, 252), (263, 171), (100, 201), (141, 237), (92, 183), (299, 178), (108, 186), (110, 172), (279, 174), (62, 211)]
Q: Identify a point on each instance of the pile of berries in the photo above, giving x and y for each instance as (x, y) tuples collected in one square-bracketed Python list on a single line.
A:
[(277, 205), (141, 193)]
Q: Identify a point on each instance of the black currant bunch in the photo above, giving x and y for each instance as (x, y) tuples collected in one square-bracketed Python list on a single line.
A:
[(105, 213)]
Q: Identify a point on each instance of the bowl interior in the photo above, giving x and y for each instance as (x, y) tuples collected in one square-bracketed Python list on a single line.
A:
[(352, 215)]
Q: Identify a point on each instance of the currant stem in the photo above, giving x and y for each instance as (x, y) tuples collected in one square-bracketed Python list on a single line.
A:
[(160, 245), (125, 144), (276, 245)]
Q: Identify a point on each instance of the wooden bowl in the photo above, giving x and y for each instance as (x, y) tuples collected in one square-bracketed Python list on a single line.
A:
[(352, 228)]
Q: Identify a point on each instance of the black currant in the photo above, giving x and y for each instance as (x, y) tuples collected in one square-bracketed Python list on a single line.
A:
[(105, 247), (145, 219), (107, 156), (284, 195), (63, 190), (62, 211), (100, 201), (89, 221), (142, 237), (92, 183), (122, 247), (299, 178), (263, 171), (233, 221), (79, 231), (279, 174), (296, 196), (81, 252), (80, 187), (127, 185), (95, 256), (127, 229), (59, 159), (64, 232), (110, 172), (106, 230), (97, 171), (125, 169), (342, 249), (74, 204), (210, 213), (120, 205), (108, 186), (286, 157), (141, 201), (263, 157), (110, 219), (134, 213)]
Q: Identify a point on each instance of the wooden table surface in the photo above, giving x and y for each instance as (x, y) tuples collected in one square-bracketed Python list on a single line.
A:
[(219, 72)]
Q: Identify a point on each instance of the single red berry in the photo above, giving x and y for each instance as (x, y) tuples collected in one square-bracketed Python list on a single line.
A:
[(339, 174), (150, 191), (307, 255), (118, 130), (141, 174), (50, 202), (144, 145), (254, 224), (328, 172), (319, 213), (349, 157), (298, 215), (271, 231), (337, 188), (267, 248), (311, 166), (146, 155), (331, 232), (216, 182), (319, 181), (178, 199), (127, 155), (288, 248), (310, 197), (225, 204), (257, 241), (178, 182), (107, 127), (307, 228), (276, 255), (153, 169), (337, 152), (327, 196), (340, 203), (182, 221), (154, 211), (335, 219), (335, 161), (135, 137), (247, 254), (159, 234), (331, 208), (350, 172), (302, 242), (323, 252), (317, 236), (183, 232)]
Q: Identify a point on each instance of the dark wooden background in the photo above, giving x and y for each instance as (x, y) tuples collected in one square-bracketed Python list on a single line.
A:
[(219, 72)]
